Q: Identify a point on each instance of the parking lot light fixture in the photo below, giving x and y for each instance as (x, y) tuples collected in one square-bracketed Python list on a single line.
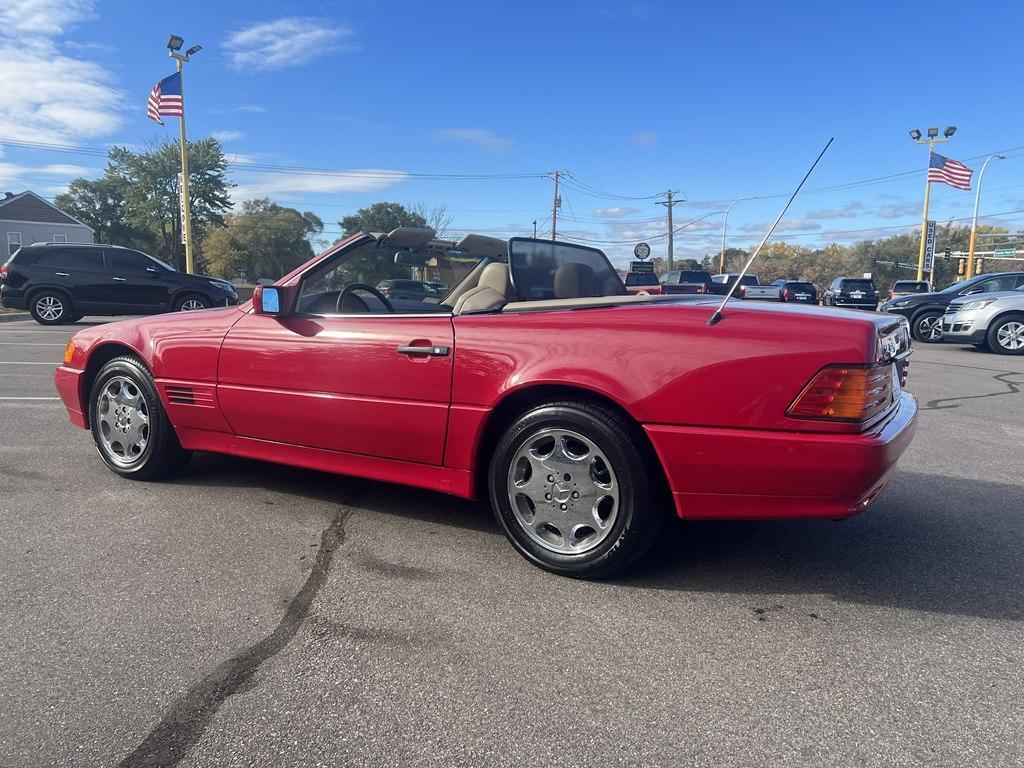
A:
[(931, 141), (725, 225), (969, 272), (193, 50), (174, 42)]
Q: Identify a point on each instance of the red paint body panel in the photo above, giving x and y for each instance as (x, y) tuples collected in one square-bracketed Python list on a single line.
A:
[(333, 393)]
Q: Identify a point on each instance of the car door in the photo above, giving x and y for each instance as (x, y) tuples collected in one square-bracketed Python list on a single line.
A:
[(135, 283), (355, 382), (79, 270)]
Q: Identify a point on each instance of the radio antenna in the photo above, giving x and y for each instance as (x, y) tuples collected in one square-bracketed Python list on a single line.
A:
[(717, 315)]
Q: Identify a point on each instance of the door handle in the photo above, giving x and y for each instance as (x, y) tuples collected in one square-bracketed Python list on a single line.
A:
[(121, 279), (62, 274), (425, 351)]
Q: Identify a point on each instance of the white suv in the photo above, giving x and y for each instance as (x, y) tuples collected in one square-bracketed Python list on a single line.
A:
[(993, 320)]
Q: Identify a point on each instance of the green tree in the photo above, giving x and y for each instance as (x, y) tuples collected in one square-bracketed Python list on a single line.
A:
[(100, 203), (264, 239), (381, 217), (149, 181)]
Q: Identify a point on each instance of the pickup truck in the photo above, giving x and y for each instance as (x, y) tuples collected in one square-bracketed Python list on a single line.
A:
[(691, 281), (749, 288)]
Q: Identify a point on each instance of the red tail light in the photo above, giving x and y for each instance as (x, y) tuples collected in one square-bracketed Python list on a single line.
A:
[(845, 394), (743, 291), (785, 293), (702, 288), (817, 296), (4, 271), (386, 291), (890, 295)]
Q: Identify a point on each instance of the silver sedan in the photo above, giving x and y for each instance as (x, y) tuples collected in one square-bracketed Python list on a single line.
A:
[(993, 320)]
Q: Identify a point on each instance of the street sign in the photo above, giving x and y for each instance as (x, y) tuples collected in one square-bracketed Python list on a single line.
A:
[(1005, 252), (646, 267), (181, 205), (929, 247), (642, 250)]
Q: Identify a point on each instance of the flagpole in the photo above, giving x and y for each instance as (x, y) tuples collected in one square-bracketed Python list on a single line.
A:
[(931, 141), (174, 44)]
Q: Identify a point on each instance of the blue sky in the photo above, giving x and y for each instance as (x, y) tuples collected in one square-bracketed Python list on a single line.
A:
[(719, 100)]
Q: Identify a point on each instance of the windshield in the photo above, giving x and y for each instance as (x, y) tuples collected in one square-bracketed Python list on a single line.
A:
[(163, 264), (858, 285), (545, 270)]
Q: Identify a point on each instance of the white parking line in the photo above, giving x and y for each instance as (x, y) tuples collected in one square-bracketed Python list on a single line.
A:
[(30, 344), (29, 398), (20, 362)]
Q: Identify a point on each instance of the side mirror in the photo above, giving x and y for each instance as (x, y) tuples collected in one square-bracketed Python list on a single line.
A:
[(267, 300)]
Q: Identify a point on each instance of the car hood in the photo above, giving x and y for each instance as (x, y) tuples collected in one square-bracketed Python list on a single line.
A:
[(994, 295)]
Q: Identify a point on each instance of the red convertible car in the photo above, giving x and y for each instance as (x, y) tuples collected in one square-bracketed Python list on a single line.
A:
[(584, 413)]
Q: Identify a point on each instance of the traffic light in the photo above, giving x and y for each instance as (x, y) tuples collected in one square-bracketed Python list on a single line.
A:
[(947, 253), (961, 267)]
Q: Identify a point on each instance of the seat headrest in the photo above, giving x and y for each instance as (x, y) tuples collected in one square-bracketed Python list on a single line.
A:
[(495, 277), (574, 281)]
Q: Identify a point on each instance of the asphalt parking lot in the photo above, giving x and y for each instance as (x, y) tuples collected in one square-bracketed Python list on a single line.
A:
[(247, 614)]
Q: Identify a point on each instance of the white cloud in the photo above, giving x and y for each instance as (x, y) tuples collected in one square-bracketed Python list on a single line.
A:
[(47, 18), (46, 96), (223, 136), (898, 210), (848, 211), (288, 42), (365, 180), (477, 137), (615, 213), (644, 138), (786, 225)]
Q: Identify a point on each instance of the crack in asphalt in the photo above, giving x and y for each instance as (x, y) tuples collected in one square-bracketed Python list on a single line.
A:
[(1013, 388), (184, 724)]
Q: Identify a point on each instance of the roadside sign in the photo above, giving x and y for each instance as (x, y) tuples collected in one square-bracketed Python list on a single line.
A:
[(642, 250), (646, 267), (929, 247), (1005, 252), (181, 205)]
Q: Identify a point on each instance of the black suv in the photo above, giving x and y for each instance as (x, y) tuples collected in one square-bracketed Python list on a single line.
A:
[(925, 310), (61, 282), (851, 293)]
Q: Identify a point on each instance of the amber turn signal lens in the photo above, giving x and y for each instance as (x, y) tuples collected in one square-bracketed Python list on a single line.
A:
[(845, 394), (69, 352)]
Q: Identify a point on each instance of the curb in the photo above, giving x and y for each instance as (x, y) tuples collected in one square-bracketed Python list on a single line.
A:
[(8, 318)]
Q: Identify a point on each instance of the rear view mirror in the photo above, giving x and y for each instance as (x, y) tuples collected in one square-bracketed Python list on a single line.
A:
[(409, 259), (266, 300)]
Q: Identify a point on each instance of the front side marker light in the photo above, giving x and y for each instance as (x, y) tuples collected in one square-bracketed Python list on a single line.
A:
[(69, 352)]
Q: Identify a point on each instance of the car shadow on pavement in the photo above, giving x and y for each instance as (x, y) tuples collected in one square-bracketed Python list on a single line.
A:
[(929, 543)]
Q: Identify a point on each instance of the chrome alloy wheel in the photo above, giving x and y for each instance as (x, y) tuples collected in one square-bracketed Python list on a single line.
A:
[(563, 491), (1011, 336), (190, 305), (49, 307), (123, 416), (931, 327)]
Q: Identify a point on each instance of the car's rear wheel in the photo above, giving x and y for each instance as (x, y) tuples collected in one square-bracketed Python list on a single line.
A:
[(191, 302), (50, 307), (571, 486), (927, 327), (129, 425), (1006, 335)]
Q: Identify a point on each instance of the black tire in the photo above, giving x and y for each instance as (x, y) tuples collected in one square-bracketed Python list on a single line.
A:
[(638, 517), (184, 302), (1005, 323), (50, 307), (922, 333), (76, 317), (162, 454)]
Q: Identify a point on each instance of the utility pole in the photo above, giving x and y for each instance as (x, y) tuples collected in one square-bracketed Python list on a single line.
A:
[(556, 203), (668, 202), (534, 229)]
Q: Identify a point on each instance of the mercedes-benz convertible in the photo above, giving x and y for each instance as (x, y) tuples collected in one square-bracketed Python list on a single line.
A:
[(586, 415)]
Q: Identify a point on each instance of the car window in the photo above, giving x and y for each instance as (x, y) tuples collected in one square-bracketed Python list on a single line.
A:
[(641, 278), (1004, 283), (127, 261), (795, 286), (693, 276), (858, 285), (72, 259)]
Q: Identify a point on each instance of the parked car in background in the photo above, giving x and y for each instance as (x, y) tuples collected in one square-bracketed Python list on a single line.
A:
[(406, 290), (749, 288), (502, 392), (690, 281), (924, 311), (643, 284), (851, 293), (908, 288), (797, 291), (994, 321), (63, 282)]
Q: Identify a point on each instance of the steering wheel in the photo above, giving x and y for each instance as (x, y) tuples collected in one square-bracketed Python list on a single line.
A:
[(349, 289)]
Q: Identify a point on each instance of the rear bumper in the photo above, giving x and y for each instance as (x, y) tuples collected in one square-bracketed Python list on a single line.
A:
[(745, 473), (872, 305), (69, 386)]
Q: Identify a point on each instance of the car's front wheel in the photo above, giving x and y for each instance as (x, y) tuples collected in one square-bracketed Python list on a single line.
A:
[(191, 302), (129, 426), (927, 327), (571, 486), (1006, 335), (50, 308)]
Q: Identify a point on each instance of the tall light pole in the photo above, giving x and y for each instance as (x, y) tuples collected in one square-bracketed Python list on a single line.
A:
[(931, 141), (725, 226), (174, 43), (669, 202), (969, 272)]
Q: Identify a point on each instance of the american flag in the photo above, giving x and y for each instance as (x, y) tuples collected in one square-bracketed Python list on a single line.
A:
[(165, 98), (947, 171)]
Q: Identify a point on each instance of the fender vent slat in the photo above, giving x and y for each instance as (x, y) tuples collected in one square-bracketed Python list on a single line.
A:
[(181, 395)]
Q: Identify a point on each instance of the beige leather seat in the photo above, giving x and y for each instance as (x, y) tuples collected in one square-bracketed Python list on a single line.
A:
[(574, 281), (492, 290)]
